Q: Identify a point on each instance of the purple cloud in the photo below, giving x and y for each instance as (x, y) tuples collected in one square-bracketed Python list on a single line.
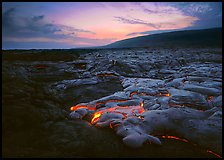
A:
[(135, 21), (37, 29)]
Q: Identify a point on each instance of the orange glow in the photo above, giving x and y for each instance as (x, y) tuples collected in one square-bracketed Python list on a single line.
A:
[(141, 110), (77, 107), (184, 140), (73, 108), (96, 117), (214, 154), (209, 98), (166, 94), (81, 65), (177, 138), (132, 93), (125, 110), (41, 66), (141, 117), (142, 104), (99, 103), (111, 126)]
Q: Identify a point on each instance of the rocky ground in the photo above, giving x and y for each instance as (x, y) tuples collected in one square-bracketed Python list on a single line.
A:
[(113, 103)]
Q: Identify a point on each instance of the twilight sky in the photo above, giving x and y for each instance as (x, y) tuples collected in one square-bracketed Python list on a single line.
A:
[(28, 25)]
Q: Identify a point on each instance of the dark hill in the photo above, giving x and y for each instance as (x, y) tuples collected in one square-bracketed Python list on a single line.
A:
[(189, 38)]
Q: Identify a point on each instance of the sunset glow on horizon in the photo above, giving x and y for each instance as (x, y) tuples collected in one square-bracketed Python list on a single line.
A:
[(86, 24)]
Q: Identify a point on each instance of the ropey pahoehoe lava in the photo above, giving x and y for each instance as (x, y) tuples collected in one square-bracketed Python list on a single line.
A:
[(132, 116)]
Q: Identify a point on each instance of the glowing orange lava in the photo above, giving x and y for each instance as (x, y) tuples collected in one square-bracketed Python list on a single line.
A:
[(166, 94), (73, 108), (142, 104), (111, 126), (141, 110), (184, 140), (215, 154), (174, 137), (209, 98), (81, 65), (96, 117), (132, 93), (41, 66), (124, 110), (141, 117)]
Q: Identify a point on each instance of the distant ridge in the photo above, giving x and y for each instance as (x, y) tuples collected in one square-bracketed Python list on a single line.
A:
[(188, 38)]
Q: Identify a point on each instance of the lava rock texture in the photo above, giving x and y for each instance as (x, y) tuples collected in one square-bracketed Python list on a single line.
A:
[(67, 106)]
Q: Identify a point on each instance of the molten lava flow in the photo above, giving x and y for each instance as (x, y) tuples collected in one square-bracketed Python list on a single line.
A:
[(142, 104), (141, 117), (209, 98), (132, 93), (173, 137), (96, 117), (184, 140), (215, 154), (111, 125), (41, 66), (73, 108), (124, 110), (166, 94), (141, 110)]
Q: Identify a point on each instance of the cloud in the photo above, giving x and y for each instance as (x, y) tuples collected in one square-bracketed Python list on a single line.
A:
[(72, 29), (37, 18), (156, 16), (135, 21), (197, 8), (208, 13), (37, 29), (176, 22)]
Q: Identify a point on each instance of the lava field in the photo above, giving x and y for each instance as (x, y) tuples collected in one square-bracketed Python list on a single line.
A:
[(143, 102)]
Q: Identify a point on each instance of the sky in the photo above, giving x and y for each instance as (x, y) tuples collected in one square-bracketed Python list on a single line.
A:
[(35, 25)]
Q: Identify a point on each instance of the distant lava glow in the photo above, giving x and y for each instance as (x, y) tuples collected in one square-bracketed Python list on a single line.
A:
[(184, 140), (209, 98), (166, 94), (174, 137), (41, 66), (215, 154)]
